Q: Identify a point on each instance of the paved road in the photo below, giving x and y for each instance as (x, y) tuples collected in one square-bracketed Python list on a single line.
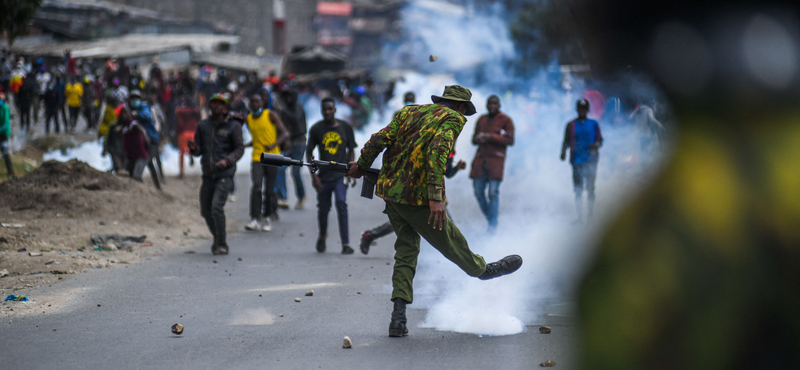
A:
[(121, 318)]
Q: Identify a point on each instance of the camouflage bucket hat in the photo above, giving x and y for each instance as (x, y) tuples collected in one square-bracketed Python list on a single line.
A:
[(456, 93)]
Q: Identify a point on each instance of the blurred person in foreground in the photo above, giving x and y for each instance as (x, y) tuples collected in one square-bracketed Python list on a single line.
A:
[(411, 181), (494, 133), (583, 139), (218, 141), (701, 269)]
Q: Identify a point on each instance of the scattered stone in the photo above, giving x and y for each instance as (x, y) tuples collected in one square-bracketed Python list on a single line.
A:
[(215, 261), (301, 235), (177, 329), (35, 254), (281, 315), (545, 329), (109, 247), (239, 259), (167, 238), (347, 342), (259, 295), (190, 252), (3, 240), (186, 233), (3, 273), (433, 58), (297, 299), (102, 223), (50, 262), (388, 263), (548, 363), (310, 293), (98, 305), (358, 292)]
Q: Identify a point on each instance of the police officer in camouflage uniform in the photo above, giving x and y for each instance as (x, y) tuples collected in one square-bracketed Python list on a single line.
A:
[(418, 142)]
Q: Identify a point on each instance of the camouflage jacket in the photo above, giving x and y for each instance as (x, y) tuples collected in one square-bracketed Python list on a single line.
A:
[(417, 143)]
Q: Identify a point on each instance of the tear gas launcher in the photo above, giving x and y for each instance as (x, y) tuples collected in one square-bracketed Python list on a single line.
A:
[(370, 176)]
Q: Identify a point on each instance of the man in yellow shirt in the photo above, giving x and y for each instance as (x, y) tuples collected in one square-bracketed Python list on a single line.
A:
[(73, 93), (268, 135)]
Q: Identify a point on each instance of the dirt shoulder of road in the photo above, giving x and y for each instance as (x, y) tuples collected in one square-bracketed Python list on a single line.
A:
[(49, 215)]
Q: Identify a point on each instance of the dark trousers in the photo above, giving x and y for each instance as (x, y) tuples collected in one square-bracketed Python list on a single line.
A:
[(74, 112), (48, 116), (136, 167), (155, 158), (25, 117), (88, 115), (583, 176), (213, 195), (261, 193), (339, 189), (6, 155)]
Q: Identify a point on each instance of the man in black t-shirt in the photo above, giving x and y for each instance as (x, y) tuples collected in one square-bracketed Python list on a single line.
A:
[(336, 143)]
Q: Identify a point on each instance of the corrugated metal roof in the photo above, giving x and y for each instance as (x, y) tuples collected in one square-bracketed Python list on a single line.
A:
[(130, 45)]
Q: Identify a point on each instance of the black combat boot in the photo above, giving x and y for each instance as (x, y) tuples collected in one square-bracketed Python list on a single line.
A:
[(502, 267), (397, 328)]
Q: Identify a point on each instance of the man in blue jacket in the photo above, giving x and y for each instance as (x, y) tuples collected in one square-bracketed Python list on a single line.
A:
[(583, 138)]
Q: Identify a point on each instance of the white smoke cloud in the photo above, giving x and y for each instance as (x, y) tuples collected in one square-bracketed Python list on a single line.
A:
[(536, 196)]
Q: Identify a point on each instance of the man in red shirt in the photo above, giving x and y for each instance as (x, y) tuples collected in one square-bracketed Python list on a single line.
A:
[(494, 132), (188, 116)]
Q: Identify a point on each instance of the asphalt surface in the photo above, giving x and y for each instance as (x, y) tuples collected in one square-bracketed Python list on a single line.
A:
[(239, 311)]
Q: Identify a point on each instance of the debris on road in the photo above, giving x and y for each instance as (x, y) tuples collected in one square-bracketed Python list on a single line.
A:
[(545, 329), (190, 252), (3, 273), (35, 254), (548, 363), (12, 225), (239, 259), (297, 299), (433, 58), (310, 293), (347, 342), (281, 315), (17, 298), (177, 329), (118, 241)]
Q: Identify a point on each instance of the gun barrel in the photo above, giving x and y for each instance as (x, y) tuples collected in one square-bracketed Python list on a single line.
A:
[(279, 160)]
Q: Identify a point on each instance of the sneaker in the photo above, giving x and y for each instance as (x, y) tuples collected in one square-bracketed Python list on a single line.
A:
[(266, 226), (502, 267), (214, 249), (254, 225), (366, 240), (347, 250), (283, 203), (300, 203), (222, 250), (321, 245)]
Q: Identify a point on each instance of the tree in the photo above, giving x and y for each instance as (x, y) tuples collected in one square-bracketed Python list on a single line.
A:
[(15, 15)]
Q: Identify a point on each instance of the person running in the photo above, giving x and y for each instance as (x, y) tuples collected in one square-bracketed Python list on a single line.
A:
[(188, 116), (142, 113), (294, 118), (135, 141), (5, 134), (583, 138), (411, 181), (268, 135), (336, 143), (494, 133), (73, 93), (218, 143)]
